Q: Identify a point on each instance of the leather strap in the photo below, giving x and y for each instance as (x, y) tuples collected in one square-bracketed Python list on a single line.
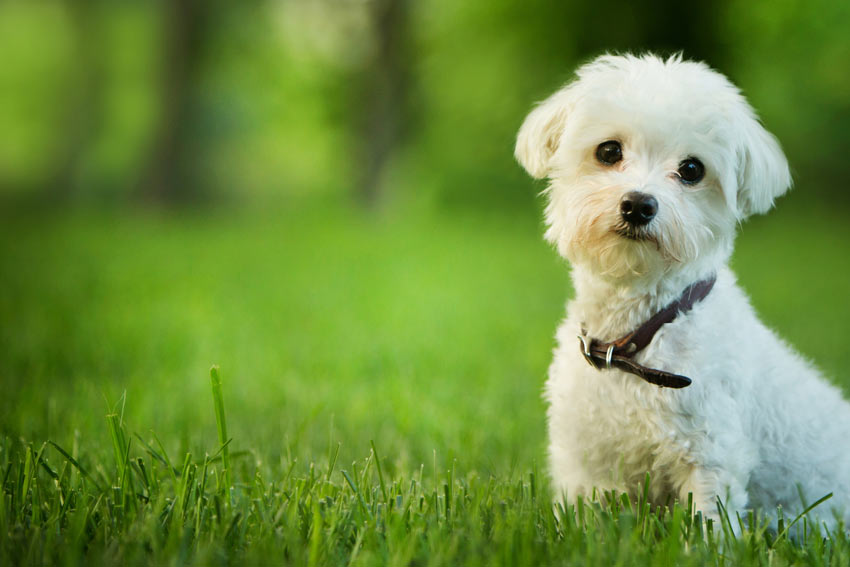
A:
[(620, 353)]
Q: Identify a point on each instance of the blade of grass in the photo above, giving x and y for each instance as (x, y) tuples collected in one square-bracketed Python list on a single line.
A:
[(380, 473), (221, 422), (354, 488), (118, 442), (76, 465), (332, 462), (26, 479), (808, 509), (153, 453)]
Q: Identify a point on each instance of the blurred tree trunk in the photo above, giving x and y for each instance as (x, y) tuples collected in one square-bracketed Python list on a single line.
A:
[(385, 95), (83, 98), (169, 174)]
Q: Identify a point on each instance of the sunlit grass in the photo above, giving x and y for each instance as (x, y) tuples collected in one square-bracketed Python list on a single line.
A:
[(139, 508)]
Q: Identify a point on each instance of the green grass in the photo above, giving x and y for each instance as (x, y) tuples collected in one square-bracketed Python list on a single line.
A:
[(380, 378)]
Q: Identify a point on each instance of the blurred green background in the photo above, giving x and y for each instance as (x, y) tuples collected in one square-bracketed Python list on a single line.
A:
[(321, 197)]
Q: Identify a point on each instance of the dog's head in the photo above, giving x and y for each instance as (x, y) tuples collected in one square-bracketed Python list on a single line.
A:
[(651, 163)]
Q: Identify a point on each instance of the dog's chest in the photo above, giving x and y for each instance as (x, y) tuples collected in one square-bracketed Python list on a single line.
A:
[(630, 418), (618, 426), (627, 428)]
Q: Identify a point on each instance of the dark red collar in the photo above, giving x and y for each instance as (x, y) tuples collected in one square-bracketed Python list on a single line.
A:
[(620, 353)]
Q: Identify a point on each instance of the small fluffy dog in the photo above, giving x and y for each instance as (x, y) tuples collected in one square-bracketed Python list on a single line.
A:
[(652, 163)]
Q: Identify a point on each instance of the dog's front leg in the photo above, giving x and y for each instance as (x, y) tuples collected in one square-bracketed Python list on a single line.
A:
[(713, 488)]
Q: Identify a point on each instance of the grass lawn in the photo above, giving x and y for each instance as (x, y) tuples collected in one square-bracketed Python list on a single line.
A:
[(381, 380)]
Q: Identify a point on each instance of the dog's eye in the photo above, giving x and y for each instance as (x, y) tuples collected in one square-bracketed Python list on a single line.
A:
[(609, 152), (691, 171)]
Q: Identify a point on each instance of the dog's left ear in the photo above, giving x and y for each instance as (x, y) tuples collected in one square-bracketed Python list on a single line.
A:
[(540, 133), (762, 172)]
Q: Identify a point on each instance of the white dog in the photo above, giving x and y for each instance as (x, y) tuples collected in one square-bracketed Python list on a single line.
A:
[(652, 163)]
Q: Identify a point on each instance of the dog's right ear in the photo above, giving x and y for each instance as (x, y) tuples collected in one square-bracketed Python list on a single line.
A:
[(540, 133)]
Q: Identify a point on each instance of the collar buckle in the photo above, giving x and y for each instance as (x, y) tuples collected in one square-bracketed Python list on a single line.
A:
[(585, 349), (602, 355)]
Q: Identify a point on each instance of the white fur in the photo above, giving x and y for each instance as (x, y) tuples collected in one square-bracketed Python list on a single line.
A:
[(758, 420)]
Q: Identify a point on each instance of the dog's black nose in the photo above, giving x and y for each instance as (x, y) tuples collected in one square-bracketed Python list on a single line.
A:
[(638, 208)]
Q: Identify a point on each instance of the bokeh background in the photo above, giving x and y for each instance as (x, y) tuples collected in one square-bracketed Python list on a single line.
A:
[(320, 196)]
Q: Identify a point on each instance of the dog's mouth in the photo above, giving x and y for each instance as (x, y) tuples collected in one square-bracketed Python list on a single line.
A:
[(634, 233)]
